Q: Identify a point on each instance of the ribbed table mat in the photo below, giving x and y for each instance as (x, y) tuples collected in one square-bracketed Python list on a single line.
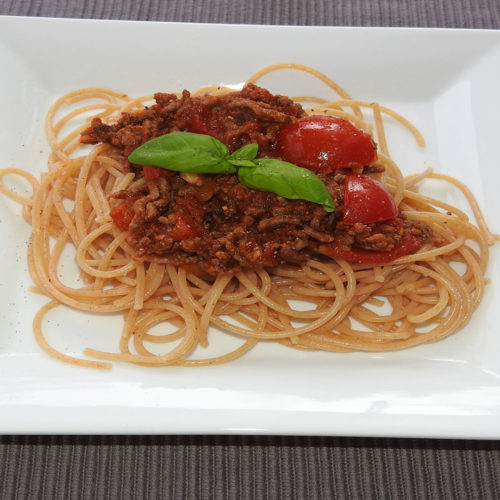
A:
[(253, 467), (429, 13), (233, 467)]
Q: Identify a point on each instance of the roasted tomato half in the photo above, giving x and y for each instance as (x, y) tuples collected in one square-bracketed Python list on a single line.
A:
[(366, 200), (325, 144)]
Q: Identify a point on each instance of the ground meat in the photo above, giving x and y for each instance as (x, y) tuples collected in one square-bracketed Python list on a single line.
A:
[(238, 118), (237, 227), (212, 222), (380, 237)]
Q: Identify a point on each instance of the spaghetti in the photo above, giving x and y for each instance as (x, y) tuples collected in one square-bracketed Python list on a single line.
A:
[(415, 299)]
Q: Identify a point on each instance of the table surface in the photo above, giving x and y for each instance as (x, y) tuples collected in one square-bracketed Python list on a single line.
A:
[(254, 466)]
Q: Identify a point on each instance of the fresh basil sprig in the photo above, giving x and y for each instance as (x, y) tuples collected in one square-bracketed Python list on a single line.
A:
[(203, 154), (248, 152), (185, 152), (287, 180)]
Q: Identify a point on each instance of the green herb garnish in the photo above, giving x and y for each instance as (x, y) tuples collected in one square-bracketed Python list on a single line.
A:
[(287, 180), (203, 154)]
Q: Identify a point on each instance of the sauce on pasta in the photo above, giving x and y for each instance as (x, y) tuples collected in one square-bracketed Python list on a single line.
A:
[(410, 277)]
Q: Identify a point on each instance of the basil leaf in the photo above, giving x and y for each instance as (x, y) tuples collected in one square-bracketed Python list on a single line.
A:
[(248, 152), (287, 180), (185, 152), (242, 163), (203, 154)]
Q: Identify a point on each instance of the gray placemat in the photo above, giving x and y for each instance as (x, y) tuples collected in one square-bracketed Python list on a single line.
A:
[(430, 13), (62, 467), (240, 467)]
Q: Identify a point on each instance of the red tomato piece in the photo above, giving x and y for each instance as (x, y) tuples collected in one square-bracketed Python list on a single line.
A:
[(123, 213), (325, 143), (152, 173), (353, 254), (198, 121), (367, 200), (185, 227), (192, 206), (208, 121)]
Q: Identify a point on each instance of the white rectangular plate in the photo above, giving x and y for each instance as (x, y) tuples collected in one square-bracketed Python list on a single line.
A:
[(446, 81)]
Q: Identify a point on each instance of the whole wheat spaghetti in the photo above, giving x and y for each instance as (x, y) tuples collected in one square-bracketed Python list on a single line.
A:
[(415, 299)]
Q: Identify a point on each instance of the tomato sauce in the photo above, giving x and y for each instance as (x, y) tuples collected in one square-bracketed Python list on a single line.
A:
[(215, 224)]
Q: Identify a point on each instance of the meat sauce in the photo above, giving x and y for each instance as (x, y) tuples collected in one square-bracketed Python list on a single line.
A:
[(211, 222)]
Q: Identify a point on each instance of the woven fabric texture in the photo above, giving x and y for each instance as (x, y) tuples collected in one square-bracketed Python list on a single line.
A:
[(246, 467), (239, 467), (430, 13)]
